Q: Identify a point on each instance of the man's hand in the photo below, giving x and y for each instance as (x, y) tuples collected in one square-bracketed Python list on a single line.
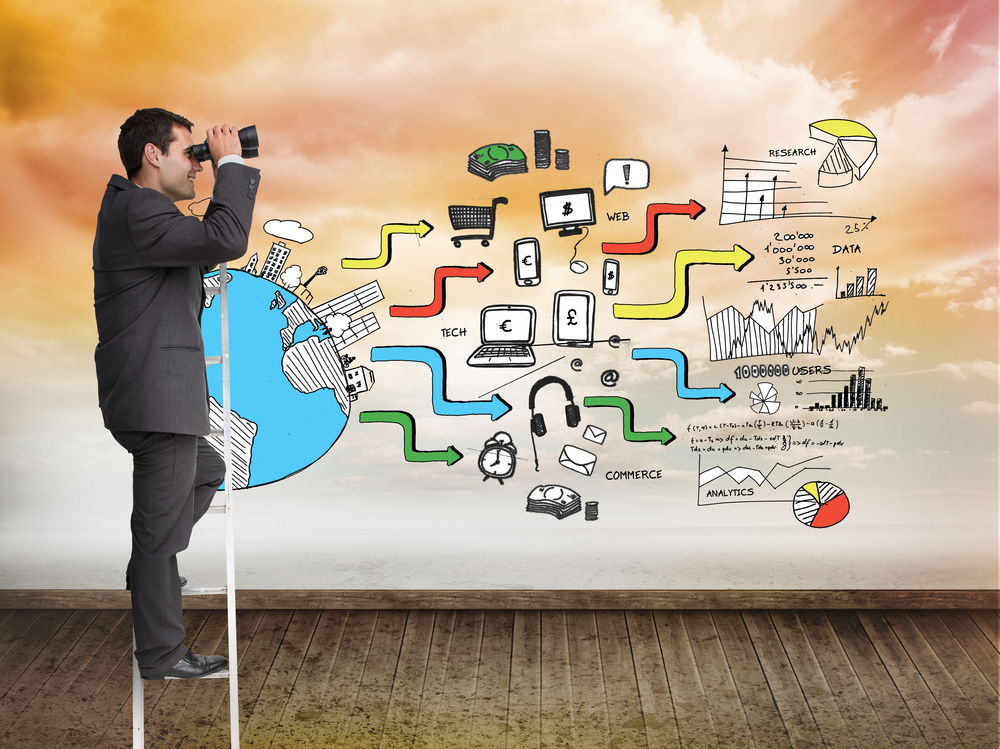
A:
[(223, 140)]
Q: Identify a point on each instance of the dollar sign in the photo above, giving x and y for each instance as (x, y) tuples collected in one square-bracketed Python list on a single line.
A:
[(611, 275), (570, 317), (567, 208)]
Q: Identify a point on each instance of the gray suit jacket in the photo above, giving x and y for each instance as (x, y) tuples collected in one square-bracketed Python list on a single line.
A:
[(149, 260)]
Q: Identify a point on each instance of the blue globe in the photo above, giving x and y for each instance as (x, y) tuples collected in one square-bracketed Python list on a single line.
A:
[(285, 374)]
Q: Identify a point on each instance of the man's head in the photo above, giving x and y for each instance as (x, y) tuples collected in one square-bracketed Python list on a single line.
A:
[(155, 149)]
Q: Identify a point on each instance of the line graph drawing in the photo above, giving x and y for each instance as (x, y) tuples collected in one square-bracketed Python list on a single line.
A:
[(743, 482), (731, 335), (851, 341)]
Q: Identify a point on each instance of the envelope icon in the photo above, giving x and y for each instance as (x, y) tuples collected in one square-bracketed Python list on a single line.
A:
[(578, 460), (595, 434)]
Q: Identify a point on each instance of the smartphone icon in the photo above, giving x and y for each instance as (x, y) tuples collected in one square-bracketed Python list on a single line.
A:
[(610, 277), (527, 262), (573, 318)]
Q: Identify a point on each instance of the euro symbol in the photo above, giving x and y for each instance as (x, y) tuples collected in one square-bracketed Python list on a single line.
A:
[(505, 326), (526, 260)]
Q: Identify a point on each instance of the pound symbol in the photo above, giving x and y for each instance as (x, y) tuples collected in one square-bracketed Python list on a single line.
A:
[(571, 317)]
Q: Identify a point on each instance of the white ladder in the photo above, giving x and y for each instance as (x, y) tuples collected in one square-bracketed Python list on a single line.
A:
[(138, 705)]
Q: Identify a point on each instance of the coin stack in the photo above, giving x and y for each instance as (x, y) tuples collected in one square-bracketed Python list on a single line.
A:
[(590, 511), (543, 149), (562, 158)]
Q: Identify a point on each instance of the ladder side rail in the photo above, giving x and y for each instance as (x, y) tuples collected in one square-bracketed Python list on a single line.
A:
[(138, 702), (227, 445)]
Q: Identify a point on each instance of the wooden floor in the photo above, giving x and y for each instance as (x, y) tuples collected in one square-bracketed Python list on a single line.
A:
[(471, 679)]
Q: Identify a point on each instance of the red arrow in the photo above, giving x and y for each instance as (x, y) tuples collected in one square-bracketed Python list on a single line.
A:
[(692, 208), (481, 272)]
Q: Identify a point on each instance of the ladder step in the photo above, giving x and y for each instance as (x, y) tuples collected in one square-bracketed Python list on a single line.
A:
[(223, 674), (203, 591), (215, 509), (213, 291), (213, 360), (215, 432)]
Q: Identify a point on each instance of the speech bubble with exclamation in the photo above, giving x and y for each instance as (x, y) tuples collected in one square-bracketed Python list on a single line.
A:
[(628, 174)]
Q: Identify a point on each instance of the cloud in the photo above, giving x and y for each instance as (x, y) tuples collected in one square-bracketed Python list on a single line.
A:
[(943, 40), (978, 368), (291, 277), (291, 230), (856, 456), (988, 302), (981, 407), (894, 350), (734, 12)]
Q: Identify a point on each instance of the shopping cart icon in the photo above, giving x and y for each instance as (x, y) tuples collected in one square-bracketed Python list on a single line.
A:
[(465, 217)]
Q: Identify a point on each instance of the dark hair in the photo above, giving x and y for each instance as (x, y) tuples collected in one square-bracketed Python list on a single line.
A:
[(154, 126)]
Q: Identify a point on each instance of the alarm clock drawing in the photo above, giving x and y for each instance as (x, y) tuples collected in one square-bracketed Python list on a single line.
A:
[(498, 458)]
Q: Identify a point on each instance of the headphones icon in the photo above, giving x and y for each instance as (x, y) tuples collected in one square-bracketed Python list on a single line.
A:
[(537, 420)]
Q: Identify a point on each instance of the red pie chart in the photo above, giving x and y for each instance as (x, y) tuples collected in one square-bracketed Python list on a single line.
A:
[(820, 504)]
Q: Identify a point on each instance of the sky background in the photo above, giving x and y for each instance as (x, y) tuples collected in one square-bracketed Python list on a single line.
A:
[(367, 112)]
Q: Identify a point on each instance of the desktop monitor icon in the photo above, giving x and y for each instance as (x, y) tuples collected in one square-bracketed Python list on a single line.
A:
[(568, 210)]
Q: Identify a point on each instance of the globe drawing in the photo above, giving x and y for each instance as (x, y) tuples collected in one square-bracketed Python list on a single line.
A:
[(289, 393)]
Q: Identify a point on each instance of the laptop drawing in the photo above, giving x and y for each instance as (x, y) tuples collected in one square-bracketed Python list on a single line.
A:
[(507, 332)]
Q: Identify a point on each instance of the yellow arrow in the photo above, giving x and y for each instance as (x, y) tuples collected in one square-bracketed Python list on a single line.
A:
[(421, 230), (737, 257)]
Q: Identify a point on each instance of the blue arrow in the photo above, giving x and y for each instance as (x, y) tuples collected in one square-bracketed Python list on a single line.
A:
[(723, 393), (495, 407)]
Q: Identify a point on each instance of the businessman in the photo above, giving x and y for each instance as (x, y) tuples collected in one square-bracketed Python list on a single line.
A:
[(149, 261)]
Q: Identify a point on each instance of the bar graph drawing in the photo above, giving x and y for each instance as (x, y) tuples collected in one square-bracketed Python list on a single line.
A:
[(732, 335), (856, 395), (861, 286), (753, 190)]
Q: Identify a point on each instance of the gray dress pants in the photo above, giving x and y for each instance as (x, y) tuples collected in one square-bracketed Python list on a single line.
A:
[(174, 478)]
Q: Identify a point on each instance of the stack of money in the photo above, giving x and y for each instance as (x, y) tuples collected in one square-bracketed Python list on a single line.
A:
[(558, 501), (496, 160), (543, 149)]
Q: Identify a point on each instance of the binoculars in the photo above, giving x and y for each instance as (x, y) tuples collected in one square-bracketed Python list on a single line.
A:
[(248, 139)]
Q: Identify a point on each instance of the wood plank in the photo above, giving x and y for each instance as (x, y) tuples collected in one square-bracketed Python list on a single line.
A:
[(490, 714), (19, 622), (590, 704), (46, 656), (981, 695), (961, 713), (624, 704), (728, 717), (797, 719), (341, 694), (296, 727), (893, 714), (691, 706), (988, 622), (458, 692), (281, 676), (557, 694), (44, 719), (766, 726), (26, 648), (524, 712), (847, 688), (974, 641), (923, 706), (815, 688), (658, 720), (372, 705), (518, 599), (403, 711), (432, 698)]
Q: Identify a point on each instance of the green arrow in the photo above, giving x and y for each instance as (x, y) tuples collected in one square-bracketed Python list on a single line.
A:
[(412, 455), (625, 405)]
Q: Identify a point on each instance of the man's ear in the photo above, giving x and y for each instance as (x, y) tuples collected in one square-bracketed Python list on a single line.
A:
[(152, 155)]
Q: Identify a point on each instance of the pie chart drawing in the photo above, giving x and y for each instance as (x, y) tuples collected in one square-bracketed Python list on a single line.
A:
[(854, 151), (820, 504), (765, 401)]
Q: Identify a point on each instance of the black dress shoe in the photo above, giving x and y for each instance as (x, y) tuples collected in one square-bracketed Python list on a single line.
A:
[(128, 584), (192, 666)]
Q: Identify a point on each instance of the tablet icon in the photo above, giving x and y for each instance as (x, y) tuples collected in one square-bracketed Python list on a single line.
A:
[(573, 318)]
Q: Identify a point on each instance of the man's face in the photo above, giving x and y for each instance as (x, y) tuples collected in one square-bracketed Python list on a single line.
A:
[(178, 167)]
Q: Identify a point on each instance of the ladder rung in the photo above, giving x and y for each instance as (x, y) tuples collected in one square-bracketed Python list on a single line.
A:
[(203, 591), (213, 360), (223, 674), (216, 508), (212, 291), (215, 432)]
